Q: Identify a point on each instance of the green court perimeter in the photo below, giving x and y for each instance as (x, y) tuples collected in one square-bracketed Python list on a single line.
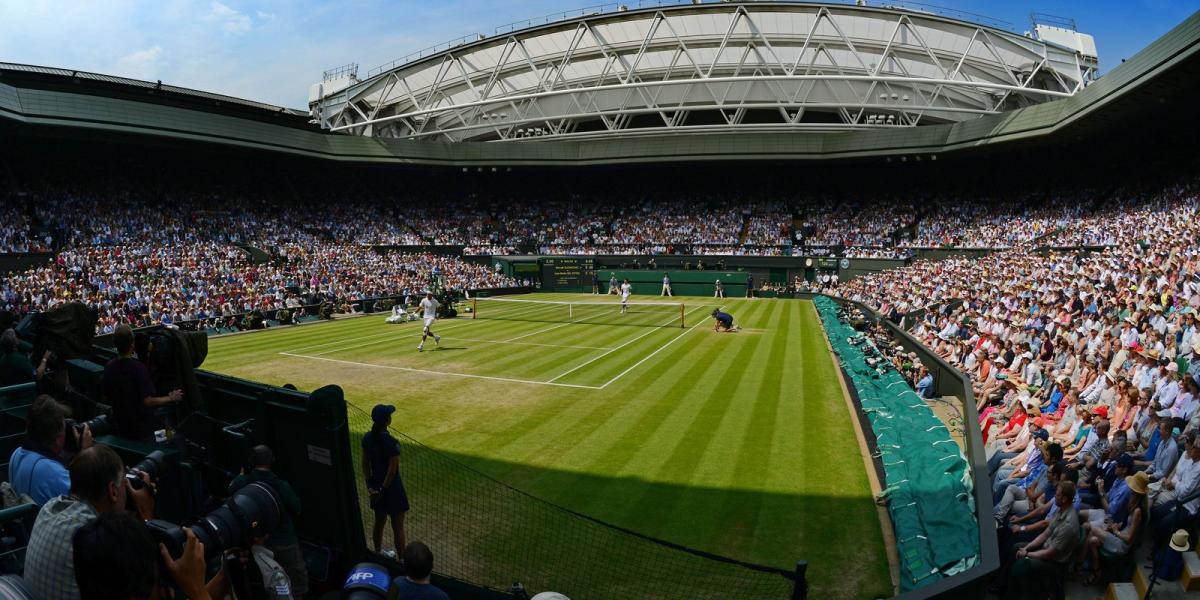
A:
[(736, 444)]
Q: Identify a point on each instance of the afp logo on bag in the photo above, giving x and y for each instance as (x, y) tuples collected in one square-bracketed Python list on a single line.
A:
[(368, 577)]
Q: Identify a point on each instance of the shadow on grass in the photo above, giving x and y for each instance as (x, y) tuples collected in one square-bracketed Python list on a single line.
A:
[(596, 536)]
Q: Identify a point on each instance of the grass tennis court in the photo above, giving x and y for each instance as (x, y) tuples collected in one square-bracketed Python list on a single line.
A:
[(736, 444)]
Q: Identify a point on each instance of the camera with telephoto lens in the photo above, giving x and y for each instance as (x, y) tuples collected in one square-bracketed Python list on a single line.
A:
[(252, 512), (151, 466), (98, 426)]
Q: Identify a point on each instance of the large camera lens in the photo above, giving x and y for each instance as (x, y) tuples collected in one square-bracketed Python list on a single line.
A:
[(98, 426), (253, 512), (151, 465)]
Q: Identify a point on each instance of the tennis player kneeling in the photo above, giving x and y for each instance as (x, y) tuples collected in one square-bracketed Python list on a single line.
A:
[(724, 321)]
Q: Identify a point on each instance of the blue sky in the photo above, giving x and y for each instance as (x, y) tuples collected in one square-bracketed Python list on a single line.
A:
[(272, 50)]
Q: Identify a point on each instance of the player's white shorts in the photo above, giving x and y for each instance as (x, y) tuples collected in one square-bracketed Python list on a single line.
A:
[(429, 321)]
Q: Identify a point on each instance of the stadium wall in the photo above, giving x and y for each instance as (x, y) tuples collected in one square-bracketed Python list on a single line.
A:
[(23, 262), (683, 283)]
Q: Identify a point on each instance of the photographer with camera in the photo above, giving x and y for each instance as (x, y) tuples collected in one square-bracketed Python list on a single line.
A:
[(36, 468), (130, 391), (15, 367), (136, 571), (283, 543), (98, 486)]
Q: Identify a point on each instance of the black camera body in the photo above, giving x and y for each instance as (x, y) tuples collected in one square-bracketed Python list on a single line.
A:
[(253, 512), (151, 465), (101, 425)]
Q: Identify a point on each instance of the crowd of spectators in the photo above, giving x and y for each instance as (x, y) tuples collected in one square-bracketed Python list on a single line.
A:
[(996, 221), (202, 281), (840, 222), (1085, 366)]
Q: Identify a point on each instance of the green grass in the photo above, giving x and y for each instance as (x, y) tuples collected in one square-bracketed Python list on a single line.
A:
[(735, 444)]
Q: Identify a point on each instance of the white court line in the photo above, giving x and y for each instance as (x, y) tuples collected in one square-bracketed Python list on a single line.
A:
[(368, 337), (462, 339), (447, 373), (576, 368), (649, 356)]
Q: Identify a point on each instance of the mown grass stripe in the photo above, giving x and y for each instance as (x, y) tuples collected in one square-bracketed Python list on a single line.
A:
[(732, 443)]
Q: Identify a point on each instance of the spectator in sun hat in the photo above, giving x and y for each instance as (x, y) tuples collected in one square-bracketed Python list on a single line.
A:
[(1168, 565), (1183, 482), (381, 470), (1117, 528)]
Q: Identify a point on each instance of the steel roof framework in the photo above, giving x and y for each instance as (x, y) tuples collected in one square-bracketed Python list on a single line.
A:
[(710, 68)]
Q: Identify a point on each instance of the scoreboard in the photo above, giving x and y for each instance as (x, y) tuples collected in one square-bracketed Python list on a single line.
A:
[(568, 274)]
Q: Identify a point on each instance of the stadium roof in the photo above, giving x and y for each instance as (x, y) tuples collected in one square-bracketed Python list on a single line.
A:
[(1154, 86), (716, 67)]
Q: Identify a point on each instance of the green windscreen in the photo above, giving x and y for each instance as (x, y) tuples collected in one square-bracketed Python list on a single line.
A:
[(928, 484)]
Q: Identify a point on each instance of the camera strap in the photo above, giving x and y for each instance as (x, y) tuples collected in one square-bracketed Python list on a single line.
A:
[(33, 471)]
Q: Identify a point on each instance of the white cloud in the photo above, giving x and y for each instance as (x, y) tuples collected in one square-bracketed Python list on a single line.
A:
[(231, 20), (141, 64), (264, 16)]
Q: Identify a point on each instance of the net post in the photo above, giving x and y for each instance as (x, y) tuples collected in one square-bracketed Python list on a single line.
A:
[(800, 585), (474, 307), (682, 323)]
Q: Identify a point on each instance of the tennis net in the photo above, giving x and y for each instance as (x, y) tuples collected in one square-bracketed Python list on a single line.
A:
[(642, 314)]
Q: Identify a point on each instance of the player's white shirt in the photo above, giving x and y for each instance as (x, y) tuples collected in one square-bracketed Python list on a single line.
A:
[(626, 290), (430, 306)]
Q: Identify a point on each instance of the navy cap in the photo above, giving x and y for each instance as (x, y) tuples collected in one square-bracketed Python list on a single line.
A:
[(381, 412), (1041, 434), (1125, 460)]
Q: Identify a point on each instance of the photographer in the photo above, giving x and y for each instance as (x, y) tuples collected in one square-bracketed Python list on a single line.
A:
[(15, 367), (283, 542), (130, 391), (98, 486), (36, 468), (134, 572)]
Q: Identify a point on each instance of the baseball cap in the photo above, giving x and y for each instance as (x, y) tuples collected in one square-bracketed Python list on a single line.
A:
[(1125, 460), (1042, 434), (1101, 410), (381, 412)]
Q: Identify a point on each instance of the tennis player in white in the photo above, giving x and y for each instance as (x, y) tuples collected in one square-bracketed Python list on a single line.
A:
[(626, 291), (429, 306)]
